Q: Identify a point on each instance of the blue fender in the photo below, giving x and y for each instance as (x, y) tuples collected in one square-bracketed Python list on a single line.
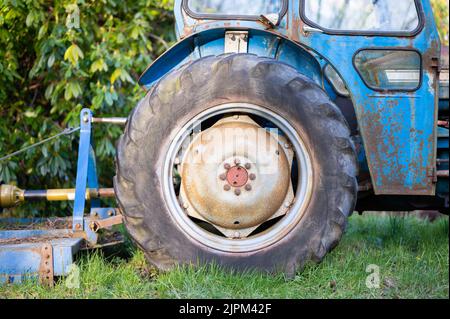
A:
[(211, 42)]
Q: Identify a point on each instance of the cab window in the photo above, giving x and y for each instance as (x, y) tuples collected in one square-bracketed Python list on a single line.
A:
[(383, 16), (234, 7)]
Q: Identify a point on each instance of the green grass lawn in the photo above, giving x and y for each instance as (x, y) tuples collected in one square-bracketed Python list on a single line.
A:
[(412, 255)]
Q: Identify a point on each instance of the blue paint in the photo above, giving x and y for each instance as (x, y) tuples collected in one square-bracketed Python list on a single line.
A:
[(19, 261), (82, 169)]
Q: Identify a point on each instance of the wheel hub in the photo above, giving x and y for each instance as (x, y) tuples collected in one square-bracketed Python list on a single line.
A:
[(236, 175)]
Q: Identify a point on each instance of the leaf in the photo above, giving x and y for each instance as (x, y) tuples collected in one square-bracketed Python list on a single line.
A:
[(125, 77), (30, 19), (97, 101), (49, 91), (116, 74), (109, 99), (99, 65), (73, 89), (42, 31), (30, 114), (73, 54), (51, 61), (135, 32)]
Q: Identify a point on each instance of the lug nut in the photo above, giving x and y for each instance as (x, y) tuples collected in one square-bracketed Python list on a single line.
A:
[(237, 235), (226, 188), (248, 187), (227, 166), (223, 177), (185, 205), (248, 166), (252, 177), (237, 161), (237, 191)]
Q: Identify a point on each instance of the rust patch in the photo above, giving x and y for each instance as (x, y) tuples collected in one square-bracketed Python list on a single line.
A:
[(46, 267)]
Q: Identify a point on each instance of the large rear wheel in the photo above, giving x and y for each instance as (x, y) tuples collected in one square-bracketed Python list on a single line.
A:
[(237, 160)]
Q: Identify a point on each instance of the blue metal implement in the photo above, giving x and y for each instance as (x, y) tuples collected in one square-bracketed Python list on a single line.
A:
[(44, 253)]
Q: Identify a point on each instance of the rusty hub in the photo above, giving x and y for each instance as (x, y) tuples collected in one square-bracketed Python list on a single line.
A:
[(235, 175)]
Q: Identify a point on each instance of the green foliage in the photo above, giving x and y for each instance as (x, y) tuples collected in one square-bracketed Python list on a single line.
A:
[(440, 8), (57, 57)]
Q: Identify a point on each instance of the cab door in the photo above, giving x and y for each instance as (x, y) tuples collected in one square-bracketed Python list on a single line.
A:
[(387, 53)]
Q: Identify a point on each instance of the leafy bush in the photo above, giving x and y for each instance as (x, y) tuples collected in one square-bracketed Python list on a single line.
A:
[(440, 9), (57, 57)]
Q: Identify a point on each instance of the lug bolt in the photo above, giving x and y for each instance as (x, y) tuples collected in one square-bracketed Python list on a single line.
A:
[(252, 177), (223, 177), (110, 213), (286, 145), (237, 191), (176, 161), (185, 205), (236, 117), (226, 188), (248, 166), (227, 166), (237, 235), (78, 226), (237, 161), (248, 187)]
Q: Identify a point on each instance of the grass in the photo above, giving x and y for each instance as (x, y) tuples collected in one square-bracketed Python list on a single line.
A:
[(412, 256)]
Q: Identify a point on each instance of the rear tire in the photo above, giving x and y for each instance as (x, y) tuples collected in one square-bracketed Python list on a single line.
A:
[(213, 81)]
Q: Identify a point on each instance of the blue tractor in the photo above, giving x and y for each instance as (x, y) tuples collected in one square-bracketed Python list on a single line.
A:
[(269, 122)]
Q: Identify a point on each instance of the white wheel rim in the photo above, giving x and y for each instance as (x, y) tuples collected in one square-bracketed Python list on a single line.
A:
[(266, 238)]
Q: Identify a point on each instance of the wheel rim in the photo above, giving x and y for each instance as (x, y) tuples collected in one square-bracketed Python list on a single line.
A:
[(274, 233)]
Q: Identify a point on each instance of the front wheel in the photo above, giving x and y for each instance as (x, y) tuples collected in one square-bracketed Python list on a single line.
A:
[(238, 160)]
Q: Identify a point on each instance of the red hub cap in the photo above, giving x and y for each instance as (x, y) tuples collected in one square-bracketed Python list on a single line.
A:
[(237, 176)]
